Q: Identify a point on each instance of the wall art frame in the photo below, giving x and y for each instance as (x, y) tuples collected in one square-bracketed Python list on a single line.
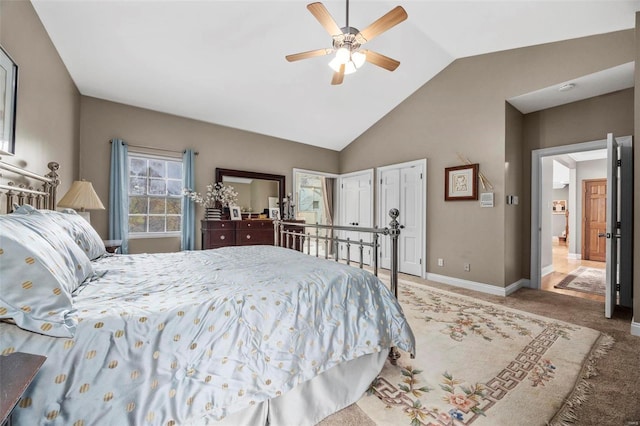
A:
[(559, 207), (461, 182)]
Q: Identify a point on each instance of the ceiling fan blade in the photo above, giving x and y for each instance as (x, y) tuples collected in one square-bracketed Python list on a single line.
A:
[(310, 54), (387, 21), (338, 76), (380, 60), (324, 17)]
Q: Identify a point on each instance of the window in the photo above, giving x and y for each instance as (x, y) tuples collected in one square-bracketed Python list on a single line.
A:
[(155, 195)]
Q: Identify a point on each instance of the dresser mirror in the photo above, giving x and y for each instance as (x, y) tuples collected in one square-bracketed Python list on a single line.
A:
[(257, 192)]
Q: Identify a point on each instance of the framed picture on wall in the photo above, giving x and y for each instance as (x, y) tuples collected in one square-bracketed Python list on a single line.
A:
[(559, 207), (461, 182), (8, 93)]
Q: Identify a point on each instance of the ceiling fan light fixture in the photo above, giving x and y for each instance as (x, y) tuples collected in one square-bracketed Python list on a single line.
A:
[(342, 55), (358, 58), (346, 42), (335, 64), (349, 68)]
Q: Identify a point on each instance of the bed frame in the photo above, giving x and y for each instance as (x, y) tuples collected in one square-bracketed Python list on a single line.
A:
[(294, 235), (19, 189)]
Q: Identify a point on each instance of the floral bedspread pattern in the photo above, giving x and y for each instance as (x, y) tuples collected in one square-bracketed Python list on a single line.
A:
[(168, 338), (478, 363)]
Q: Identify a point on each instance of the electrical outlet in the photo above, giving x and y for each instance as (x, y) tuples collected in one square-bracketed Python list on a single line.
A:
[(467, 267), (440, 262)]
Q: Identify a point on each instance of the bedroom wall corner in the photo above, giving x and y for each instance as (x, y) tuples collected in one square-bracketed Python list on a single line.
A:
[(514, 252), (636, 180), (48, 101)]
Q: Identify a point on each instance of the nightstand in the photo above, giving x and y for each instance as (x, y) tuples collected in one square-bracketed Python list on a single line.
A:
[(112, 246), (17, 371)]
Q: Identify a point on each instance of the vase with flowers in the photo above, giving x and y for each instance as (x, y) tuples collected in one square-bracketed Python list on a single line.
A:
[(217, 197)]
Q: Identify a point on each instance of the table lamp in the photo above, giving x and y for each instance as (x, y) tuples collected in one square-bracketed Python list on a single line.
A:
[(82, 197)]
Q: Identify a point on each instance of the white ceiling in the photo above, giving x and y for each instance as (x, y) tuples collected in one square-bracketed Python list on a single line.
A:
[(223, 61)]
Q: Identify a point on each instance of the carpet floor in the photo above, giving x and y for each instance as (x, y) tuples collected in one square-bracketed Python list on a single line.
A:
[(613, 395)]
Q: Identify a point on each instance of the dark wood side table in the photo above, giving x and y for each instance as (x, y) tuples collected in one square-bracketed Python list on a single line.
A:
[(17, 371), (112, 246)]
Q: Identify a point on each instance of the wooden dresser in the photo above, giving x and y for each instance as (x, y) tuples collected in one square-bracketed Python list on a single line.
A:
[(223, 233)]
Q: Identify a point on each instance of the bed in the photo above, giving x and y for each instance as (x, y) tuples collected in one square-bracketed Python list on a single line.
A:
[(237, 335)]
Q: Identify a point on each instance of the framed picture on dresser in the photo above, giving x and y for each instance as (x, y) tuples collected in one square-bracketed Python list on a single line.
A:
[(274, 213), (8, 93), (235, 213)]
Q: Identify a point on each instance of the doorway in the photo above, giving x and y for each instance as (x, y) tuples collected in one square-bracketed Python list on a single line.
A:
[(577, 195), (315, 202), (569, 254)]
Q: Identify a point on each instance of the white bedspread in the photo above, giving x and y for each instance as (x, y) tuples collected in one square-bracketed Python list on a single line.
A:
[(198, 335)]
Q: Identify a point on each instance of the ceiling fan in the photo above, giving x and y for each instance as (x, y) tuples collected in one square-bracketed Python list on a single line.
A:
[(347, 42)]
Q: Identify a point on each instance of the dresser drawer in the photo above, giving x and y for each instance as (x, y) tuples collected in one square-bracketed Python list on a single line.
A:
[(219, 237), (254, 237)]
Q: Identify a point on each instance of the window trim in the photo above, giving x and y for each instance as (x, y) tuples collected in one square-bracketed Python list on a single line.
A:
[(148, 235)]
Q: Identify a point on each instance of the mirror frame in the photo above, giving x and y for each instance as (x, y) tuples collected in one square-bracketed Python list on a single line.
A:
[(220, 173)]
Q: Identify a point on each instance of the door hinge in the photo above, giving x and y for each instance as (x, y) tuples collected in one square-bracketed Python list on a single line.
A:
[(421, 261), (618, 225), (380, 181), (617, 287), (420, 175), (342, 185), (619, 162)]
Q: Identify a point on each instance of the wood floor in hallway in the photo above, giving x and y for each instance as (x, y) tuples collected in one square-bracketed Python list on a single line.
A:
[(562, 267)]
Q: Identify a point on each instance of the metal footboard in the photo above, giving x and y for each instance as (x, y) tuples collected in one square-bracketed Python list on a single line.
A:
[(294, 235)]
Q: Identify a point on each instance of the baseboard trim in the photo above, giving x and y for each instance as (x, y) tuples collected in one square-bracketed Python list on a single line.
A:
[(477, 286), (521, 283), (547, 270), (635, 328), (574, 256)]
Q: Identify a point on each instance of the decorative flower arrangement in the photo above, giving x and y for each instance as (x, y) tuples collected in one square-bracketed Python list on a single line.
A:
[(218, 195)]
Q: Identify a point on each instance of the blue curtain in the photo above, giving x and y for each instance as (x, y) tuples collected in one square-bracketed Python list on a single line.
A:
[(188, 241), (119, 194)]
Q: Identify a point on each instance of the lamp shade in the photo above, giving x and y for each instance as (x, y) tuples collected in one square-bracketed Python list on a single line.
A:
[(81, 196)]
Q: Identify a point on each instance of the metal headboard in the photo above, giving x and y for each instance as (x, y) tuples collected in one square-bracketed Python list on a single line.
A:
[(22, 187)]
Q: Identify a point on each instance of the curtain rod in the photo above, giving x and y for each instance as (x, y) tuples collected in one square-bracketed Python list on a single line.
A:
[(157, 149)]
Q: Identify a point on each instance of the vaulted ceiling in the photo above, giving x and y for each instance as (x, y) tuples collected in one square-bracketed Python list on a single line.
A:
[(223, 62)]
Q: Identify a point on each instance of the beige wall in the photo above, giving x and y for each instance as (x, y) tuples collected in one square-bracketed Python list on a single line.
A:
[(218, 146), (48, 102), (462, 110)]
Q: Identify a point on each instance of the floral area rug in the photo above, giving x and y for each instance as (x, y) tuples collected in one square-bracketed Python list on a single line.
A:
[(586, 280), (483, 364)]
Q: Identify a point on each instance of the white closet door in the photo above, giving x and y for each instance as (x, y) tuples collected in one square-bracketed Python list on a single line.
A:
[(356, 209), (402, 187)]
